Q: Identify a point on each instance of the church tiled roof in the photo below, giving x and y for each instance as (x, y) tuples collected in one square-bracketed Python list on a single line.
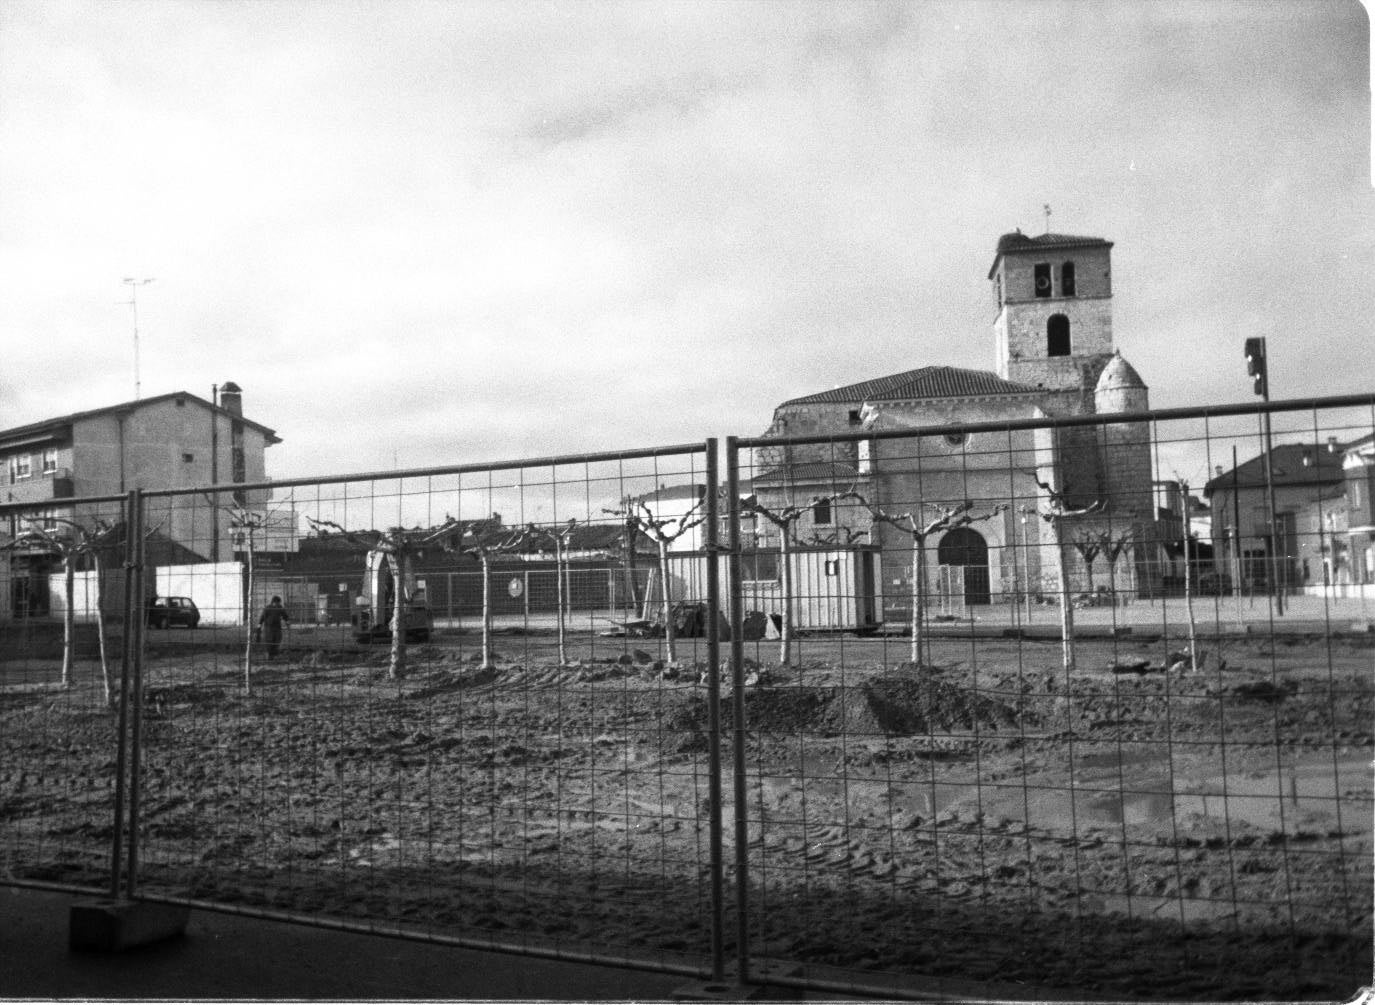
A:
[(808, 472), (926, 382), (1018, 241)]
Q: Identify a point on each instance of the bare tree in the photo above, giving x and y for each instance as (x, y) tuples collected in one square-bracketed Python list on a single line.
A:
[(663, 531), (785, 518), (247, 522), (398, 546), (482, 541), (74, 543), (1112, 548), (1057, 510), (631, 535), (1187, 537), (1089, 547), (843, 537), (918, 528), (559, 535)]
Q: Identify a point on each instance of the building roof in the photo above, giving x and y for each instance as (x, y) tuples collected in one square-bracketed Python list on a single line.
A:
[(1017, 241), (926, 382), (1324, 467), (59, 427), (810, 472)]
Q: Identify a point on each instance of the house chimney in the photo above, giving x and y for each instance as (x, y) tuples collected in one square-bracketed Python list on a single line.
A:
[(231, 398)]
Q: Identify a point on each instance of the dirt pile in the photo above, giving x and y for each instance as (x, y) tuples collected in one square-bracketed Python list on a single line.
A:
[(903, 704), (920, 703)]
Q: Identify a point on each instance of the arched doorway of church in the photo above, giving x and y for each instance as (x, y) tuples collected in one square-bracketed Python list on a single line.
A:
[(966, 547)]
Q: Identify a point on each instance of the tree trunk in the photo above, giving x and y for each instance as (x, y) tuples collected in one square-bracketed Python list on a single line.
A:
[(396, 668), (100, 628), (248, 616), (1066, 606), (785, 643), (559, 573), (632, 572), (918, 599), (669, 649), (1189, 595), (486, 611), (68, 619)]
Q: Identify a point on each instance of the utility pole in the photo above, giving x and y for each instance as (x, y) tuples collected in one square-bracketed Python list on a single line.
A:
[(133, 285), (1257, 368)]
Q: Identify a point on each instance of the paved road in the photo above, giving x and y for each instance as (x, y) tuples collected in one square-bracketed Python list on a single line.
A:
[(228, 956)]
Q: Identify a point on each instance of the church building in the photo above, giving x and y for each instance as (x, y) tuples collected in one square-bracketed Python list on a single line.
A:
[(1053, 356)]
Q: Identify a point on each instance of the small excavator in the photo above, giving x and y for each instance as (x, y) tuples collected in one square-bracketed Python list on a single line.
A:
[(373, 616)]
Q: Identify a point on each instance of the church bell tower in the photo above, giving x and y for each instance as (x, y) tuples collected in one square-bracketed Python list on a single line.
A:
[(1054, 299)]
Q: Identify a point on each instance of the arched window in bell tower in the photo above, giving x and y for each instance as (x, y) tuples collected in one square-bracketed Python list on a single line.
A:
[(1057, 335), (1067, 279)]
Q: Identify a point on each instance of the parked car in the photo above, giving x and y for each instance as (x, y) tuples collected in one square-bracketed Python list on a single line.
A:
[(166, 612)]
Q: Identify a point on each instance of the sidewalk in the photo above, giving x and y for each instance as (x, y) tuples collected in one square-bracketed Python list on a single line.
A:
[(229, 956)]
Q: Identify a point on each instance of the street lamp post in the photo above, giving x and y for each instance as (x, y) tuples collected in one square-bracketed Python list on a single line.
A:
[(1257, 367)]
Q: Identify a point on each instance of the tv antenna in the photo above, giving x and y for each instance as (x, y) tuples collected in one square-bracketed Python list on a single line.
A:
[(133, 285)]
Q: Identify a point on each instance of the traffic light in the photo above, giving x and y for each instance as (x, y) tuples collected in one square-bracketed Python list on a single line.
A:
[(1255, 365)]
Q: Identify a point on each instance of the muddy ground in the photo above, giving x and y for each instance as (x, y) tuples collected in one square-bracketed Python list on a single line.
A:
[(1124, 831)]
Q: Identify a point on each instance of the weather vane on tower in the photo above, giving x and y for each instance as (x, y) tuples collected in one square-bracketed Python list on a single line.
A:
[(1046, 206)]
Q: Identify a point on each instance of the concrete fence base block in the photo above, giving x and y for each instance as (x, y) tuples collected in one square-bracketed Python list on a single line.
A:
[(112, 926), (718, 991), (730, 989)]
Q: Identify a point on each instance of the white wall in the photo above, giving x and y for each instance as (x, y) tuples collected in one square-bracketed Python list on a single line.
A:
[(216, 588)]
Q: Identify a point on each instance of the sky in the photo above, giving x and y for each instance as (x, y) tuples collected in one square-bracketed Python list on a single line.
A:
[(418, 234)]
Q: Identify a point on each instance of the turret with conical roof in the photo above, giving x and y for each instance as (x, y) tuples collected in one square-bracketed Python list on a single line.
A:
[(1120, 388)]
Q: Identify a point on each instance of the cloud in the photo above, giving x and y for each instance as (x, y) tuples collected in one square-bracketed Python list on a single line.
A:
[(482, 230)]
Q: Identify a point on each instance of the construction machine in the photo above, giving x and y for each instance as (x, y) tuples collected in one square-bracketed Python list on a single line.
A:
[(372, 619)]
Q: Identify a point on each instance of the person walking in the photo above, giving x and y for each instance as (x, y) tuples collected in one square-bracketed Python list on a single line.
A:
[(270, 624)]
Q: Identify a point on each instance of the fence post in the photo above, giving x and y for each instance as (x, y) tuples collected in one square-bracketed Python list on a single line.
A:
[(716, 825), (122, 922), (737, 664), (138, 514), (133, 608)]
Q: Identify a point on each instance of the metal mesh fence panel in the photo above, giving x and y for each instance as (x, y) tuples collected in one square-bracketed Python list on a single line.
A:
[(1030, 708), (1114, 765), (62, 588), (527, 771)]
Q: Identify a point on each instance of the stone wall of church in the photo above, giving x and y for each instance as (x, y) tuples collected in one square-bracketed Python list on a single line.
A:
[(812, 419)]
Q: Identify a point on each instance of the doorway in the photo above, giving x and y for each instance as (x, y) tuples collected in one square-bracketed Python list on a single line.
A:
[(967, 548)]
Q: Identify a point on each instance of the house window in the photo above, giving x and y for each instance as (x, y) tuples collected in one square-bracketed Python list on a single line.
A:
[(864, 456), (188, 458), (1067, 279), (50, 460), (759, 566), (855, 418), (821, 512), (20, 466), (1042, 273), (1057, 335)]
